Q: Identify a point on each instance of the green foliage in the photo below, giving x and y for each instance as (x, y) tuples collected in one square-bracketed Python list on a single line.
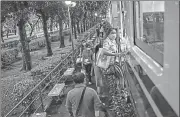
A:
[(36, 44), (10, 44), (21, 87), (9, 99), (9, 56)]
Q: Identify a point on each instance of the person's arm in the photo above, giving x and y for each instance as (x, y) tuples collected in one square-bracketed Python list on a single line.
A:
[(106, 47), (69, 105), (83, 57), (91, 57), (106, 51)]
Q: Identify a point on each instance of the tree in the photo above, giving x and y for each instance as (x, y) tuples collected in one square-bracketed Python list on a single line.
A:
[(19, 10), (42, 8), (62, 15), (32, 22)]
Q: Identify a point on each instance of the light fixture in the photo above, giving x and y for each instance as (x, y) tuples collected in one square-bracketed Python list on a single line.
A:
[(73, 4), (68, 2)]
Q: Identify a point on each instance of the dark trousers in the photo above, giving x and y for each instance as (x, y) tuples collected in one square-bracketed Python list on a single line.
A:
[(88, 71), (102, 34), (97, 33)]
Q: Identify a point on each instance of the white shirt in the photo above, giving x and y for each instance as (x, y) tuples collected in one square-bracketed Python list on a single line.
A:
[(111, 46)]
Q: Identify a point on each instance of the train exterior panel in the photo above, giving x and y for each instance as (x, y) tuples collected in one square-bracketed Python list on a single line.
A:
[(152, 30)]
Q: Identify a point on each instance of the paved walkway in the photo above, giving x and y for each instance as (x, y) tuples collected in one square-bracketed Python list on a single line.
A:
[(60, 109)]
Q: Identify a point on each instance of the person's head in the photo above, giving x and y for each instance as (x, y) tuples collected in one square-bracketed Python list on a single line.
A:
[(112, 34), (79, 78), (88, 47), (84, 44), (68, 79), (83, 41)]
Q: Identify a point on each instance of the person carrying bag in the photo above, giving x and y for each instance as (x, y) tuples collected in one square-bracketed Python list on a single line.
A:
[(80, 102)]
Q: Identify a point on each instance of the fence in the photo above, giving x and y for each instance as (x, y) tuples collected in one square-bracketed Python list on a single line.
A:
[(34, 100)]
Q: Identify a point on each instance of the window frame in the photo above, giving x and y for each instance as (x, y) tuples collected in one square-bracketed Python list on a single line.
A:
[(138, 26)]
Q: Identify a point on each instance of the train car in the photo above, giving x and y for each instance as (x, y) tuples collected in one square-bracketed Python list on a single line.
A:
[(152, 30)]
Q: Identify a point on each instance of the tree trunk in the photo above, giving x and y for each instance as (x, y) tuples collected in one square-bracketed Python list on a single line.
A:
[(7, 33), (2, 34), (15, 29), (31, 31), (56, 26), (48, 43), (25, 46), (84, 24), (61, 37), (82, 27), (72, 28), (75, 34), (78, 28), (51, 25)]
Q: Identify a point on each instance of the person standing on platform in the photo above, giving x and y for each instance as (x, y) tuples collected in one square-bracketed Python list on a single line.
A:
[(101, 30), (82, 101), (97, 71), (110, 48), (87, 61), (97, 31)]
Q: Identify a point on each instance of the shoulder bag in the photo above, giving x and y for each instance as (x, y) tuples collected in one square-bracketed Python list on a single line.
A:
[(103, 61), (80, 102)]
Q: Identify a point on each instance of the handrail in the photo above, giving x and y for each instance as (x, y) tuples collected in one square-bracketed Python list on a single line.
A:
[(44, 79), (38, 84)]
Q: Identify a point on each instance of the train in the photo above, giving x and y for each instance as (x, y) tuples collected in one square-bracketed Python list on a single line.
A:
[(151, 32)]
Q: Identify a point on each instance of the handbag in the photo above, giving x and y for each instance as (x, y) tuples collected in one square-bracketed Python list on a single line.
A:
[(80, 102), (103, 61)]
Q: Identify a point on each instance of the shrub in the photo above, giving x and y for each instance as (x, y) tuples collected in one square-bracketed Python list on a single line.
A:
[(43, 68), (10, 44), (36, 44), (9, 98), (9, 56), (54, 38), (66, 32)]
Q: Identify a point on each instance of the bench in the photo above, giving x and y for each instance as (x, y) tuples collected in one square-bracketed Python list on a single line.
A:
[(55, 94), (43, 114), (69, 71), (47, 103), (57, 90)]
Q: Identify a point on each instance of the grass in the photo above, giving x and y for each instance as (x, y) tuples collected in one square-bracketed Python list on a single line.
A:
[(12, 74)]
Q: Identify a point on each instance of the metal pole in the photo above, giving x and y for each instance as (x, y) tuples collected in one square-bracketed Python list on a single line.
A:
[(40, 95), (71, 36)]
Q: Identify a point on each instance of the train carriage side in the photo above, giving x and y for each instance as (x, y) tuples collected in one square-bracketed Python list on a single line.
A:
[(152, 28)]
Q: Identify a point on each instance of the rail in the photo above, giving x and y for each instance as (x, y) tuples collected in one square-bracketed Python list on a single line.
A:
[(30, 101), (34, 100)]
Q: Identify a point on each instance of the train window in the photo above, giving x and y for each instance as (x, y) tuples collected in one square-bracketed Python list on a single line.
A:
[(160, 101), (150, 28)]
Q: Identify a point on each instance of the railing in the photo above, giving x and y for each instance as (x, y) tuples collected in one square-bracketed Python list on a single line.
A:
[(36, 97), (34, 100)]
